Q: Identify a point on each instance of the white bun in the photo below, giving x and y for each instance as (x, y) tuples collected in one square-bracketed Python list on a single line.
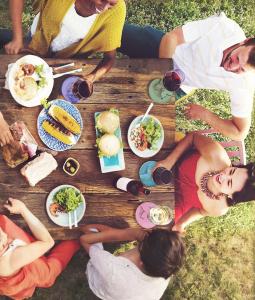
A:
[(108, 122), (109, 144), (26, 88)]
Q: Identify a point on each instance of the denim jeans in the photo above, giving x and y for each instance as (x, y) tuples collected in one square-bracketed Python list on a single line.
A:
[(6, 37)]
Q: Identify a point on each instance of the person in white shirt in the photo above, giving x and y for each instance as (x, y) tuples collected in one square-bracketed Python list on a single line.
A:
[(137, 274), (214, 54)]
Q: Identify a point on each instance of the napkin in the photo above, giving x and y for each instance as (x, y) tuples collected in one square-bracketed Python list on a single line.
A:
[(6, 85)]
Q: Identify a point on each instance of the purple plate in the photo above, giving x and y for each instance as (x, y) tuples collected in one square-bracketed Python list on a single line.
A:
[(67, 87), (142, 213)]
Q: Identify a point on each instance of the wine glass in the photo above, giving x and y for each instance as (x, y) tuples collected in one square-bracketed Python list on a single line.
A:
[(163, 90), (75, 88)]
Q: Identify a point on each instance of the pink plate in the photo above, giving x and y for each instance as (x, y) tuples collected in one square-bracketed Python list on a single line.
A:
[(142, 213)]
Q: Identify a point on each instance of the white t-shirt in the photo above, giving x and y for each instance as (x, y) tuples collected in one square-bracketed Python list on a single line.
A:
[(72, 29), (201, 55), (117, 278)]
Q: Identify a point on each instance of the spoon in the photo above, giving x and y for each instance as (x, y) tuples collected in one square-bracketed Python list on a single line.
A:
[(145, 115)]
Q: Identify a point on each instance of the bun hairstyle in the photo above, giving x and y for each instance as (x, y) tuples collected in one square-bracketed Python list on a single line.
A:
[(248, 191), (162, 253)]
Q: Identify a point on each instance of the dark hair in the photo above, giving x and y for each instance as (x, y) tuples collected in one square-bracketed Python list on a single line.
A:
[(247, 193), (162, 253), (251, 58)]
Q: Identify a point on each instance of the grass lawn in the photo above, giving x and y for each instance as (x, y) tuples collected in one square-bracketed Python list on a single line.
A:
[(220, 251)]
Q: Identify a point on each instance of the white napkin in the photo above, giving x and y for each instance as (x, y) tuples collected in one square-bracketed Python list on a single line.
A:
[(6, 85)]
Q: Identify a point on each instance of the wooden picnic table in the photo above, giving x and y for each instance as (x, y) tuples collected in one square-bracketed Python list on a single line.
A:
[(124, 88)]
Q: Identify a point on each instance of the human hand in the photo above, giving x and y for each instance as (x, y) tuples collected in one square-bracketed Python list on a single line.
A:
[(165, 163), (15, 206), (196, 112), (14, 46), (5, 133)]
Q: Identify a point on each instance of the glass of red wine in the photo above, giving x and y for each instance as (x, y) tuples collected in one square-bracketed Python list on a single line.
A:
[(75, 89), (172, 80), (164, 90)]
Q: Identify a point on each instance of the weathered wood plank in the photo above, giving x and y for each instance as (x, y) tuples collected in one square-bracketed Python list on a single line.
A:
[(107, 209), (166, 115), (88, 179), (124, 88), (127, 81)]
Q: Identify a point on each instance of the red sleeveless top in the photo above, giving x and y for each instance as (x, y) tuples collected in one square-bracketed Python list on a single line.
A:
[(186, 188)]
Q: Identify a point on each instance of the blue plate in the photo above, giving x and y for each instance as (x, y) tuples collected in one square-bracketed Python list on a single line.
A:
[(49, 140), (145, 173), (115, 162)]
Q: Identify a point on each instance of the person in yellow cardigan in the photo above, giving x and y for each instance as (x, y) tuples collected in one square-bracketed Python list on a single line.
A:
[(65, 29), (69, 28)]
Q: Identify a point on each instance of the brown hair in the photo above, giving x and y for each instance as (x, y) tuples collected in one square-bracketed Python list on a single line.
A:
[(251, 58), (247, 193), (162, 253)]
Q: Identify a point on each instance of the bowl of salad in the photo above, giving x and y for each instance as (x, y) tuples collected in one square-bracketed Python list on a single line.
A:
[(61, 201), (146, 139)]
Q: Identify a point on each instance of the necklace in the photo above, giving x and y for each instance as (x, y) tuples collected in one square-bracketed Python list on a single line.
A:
[(204, 185)]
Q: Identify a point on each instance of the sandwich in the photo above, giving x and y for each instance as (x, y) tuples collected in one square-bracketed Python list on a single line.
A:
[(108, 145), (26, 88), (108, 121), (39, 168)]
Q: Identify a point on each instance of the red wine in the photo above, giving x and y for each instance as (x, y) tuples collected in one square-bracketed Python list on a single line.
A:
[(132, 186), (172, 81), (81, 89), (162, 176)]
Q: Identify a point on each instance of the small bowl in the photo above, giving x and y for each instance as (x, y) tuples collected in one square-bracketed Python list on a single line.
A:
[(71, 166)]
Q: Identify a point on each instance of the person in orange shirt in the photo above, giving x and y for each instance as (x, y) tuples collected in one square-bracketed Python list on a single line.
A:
[(23, 266)]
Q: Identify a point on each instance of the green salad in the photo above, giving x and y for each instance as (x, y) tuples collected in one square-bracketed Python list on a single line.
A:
[(40, 72), (153, 133), (68, 199)]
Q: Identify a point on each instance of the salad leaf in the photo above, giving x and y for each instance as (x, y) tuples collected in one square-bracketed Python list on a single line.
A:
[(45, 103), (39, 69), (152, 131), (42, 79), (68, 199), (114, 111)]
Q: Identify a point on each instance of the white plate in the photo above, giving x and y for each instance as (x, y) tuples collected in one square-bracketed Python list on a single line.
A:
[(62, 218), (42, 92), (146, 153)]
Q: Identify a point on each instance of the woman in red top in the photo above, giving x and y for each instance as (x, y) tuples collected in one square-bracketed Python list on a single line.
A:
[(22, 264), (206, 182)]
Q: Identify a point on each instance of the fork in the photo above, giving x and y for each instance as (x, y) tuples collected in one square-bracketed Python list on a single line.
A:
[(145, 115)]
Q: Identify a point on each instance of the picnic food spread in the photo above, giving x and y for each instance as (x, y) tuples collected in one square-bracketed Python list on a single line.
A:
[(60, 125)]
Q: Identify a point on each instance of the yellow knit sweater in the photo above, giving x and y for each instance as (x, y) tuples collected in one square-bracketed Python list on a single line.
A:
[(104, 35)]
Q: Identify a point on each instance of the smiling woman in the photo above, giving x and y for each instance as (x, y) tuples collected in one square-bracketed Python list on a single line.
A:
[(206, 183), (23, 266)]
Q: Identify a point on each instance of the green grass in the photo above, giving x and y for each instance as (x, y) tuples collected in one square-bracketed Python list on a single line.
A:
[(220, 251)]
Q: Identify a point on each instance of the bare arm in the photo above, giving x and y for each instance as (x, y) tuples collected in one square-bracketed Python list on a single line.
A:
[(24, 255), (103, 67), (208, 148), (109, 234), (235, 128), (169, 42), (5, 134), (16, 9), (190, 216)]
